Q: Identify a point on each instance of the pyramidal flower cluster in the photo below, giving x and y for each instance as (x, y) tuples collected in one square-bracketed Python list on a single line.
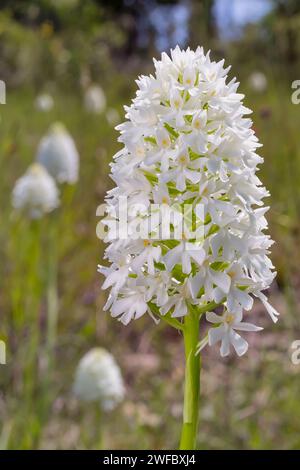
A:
[(98, 378), (35, 193), (188, 140)]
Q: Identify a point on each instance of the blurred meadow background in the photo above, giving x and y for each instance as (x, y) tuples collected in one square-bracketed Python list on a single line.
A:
[(52, 53)]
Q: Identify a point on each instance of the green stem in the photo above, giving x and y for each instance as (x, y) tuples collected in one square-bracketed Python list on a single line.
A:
[(192, 383), (52, 315), (52, 297), (31, 309)]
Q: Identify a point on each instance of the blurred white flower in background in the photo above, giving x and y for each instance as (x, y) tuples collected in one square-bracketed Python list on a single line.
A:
[(98, 378), (94, 99), (112, 116), (35, 192), (258, 82), (58, 153), (44, 102)]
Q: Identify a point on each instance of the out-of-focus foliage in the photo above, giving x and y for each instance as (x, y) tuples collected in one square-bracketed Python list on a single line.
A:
[(275, 41), (42, 49), (283, 26)]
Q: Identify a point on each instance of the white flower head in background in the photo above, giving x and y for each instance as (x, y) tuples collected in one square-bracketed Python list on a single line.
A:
[(94, 99), (112, 116), (98, 378), (188, 137), (58, 153), (35, 192), (44, 102), (258, 82)]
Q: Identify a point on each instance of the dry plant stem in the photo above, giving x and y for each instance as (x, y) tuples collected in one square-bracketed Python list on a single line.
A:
[(192, 382)]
